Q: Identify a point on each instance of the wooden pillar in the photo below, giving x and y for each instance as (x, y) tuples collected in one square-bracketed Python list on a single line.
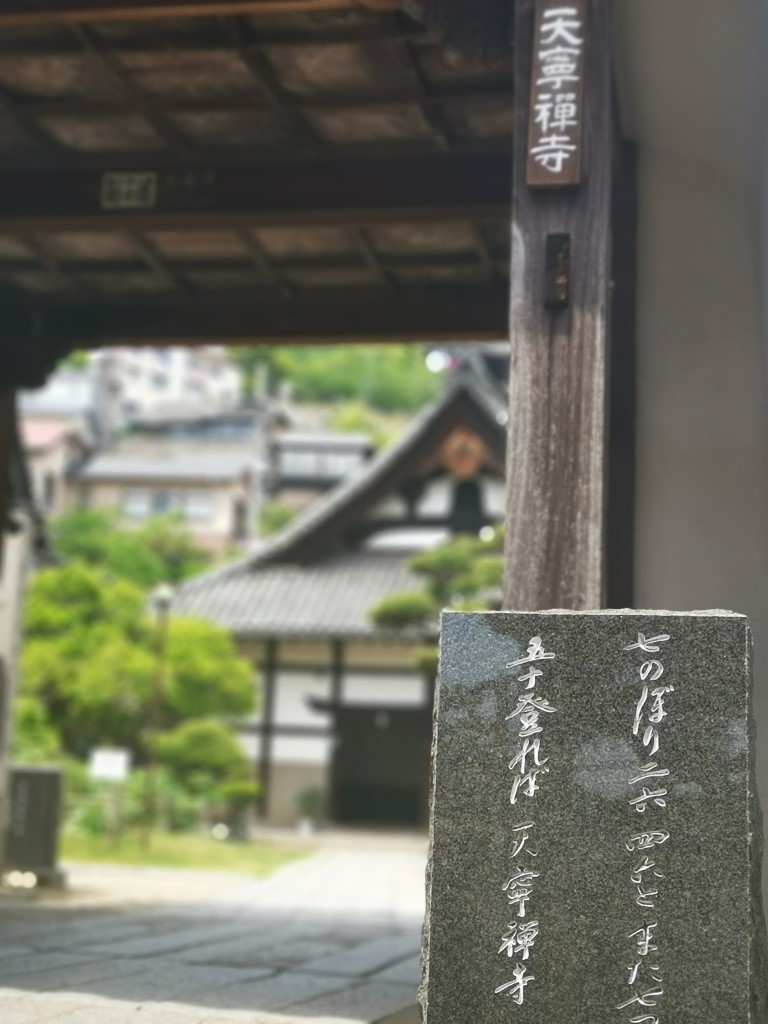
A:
[(337, 696), (266, 731), (559, 312)]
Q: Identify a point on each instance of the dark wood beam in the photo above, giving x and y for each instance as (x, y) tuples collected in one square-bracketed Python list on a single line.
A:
[(556, 454), (42, 12), (343, 314), (289, 104), (151, 38), (427, 188), (620, 533)]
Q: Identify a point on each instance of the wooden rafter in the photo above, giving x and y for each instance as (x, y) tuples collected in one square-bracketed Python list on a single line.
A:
[(162, 125), (41, 12), (49, 263), (263, 264), (155, 262), (269, 84), (372, 258)]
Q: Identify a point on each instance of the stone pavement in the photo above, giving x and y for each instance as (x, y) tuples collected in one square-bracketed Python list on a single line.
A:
[(331, 939)]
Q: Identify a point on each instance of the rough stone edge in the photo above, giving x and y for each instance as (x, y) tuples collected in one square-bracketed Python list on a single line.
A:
[(758, 947), (426, 935)]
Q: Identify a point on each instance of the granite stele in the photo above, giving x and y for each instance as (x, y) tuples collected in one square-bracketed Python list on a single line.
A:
[(595, 828)]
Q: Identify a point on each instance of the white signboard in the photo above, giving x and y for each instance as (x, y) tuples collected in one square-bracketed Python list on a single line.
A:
[(109, 764)]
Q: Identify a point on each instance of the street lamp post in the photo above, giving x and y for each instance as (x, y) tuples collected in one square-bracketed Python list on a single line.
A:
[(160, 606)]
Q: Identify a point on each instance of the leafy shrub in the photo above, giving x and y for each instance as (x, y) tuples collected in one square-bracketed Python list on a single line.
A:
[(274, 516), (413, 608)]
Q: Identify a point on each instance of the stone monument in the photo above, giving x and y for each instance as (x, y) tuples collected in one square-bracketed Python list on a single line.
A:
[(595, 831)]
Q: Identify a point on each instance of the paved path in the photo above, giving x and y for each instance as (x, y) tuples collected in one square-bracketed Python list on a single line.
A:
[(332, 939)]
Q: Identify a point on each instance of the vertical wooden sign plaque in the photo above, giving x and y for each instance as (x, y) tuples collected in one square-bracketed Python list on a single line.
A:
[(556, 122)]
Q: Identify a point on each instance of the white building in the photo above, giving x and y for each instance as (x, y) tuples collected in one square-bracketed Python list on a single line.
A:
[(142, 380)]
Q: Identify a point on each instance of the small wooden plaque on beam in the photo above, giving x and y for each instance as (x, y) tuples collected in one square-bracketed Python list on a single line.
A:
[(556, 118)]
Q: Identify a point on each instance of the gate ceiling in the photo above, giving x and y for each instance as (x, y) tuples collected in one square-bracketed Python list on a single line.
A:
[(255, 171)]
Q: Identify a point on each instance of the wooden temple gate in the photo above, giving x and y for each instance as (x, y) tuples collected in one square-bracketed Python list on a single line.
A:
[(282, 171)]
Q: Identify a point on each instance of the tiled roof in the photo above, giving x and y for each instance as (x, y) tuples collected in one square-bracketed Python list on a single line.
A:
[(130, 468), (482, 392), (331, 598), (300, 584)]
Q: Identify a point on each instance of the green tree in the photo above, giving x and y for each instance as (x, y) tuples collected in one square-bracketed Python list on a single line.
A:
[(204, 753), (76, 360), (382, 376), (161, 550), (171, 543), (388, 377), (90, 662), (464, 573), (273, 516)]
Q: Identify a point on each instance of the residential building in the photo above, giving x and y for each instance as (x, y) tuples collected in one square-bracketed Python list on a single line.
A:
[(54, 450), (344, 709), (305, 464), (214, 495), (142, 380)]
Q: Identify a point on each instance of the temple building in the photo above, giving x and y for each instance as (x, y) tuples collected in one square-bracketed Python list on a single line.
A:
[(344, 709)]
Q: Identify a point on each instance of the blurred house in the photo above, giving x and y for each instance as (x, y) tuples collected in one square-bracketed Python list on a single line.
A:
[(145, 379), (73, 399), (344, 709), (306, 464), (213, 494), (54, 449)]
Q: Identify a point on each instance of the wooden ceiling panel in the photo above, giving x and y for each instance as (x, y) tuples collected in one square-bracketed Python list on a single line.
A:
[(442, 65), (235, 129), (358, 127), (338, 68), (481, 118), (14, 249), (196, 245), (88, 245), (121, 133), (287, 243), (293, 173), (62, 76), (188, 74)]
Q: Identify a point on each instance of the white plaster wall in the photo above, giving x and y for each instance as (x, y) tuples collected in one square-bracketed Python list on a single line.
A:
[(384, 691), (294, 691), (702, 514)]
